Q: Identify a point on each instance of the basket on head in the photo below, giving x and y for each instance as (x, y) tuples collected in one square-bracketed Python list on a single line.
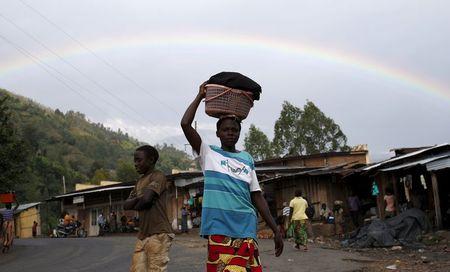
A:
[(221, 100), (7, 198)]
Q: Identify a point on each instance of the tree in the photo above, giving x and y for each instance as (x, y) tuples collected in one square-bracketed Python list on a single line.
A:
[(306, 131), (286, 134), (13, 155), (94, 167), (320, 133), (39, 145), (257, 144), (100, 175), (172, 158), (125, 171)]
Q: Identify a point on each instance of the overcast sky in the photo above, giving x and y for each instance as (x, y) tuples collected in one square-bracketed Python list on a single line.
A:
[(380, 70)]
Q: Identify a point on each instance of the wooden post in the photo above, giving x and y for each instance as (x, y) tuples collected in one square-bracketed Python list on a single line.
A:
[(176, 199), (394, 185), (379, 203), (381, 187), (437, 203)]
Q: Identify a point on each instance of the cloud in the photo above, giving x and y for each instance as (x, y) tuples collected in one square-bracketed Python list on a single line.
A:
[(384, 113), (161, 133), (152, 134)]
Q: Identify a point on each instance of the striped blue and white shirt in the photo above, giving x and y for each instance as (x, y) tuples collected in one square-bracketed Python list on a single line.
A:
[(227, 207)]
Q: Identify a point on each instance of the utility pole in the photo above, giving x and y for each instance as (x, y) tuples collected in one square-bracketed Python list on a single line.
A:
[(64, 184)]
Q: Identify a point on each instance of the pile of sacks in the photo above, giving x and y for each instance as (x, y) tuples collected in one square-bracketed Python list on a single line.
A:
[(405, 229)]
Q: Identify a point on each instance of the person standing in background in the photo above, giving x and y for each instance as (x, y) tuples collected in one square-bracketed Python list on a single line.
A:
[(149, 198), (325, 212), (113, 220), (67, 219), (354, 206), (389, 199), (8, 225), (184, 219), (298, 217), (34, 229), (338, 212)]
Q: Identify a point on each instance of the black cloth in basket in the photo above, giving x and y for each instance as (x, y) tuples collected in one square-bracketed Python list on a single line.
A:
[(236, 81)]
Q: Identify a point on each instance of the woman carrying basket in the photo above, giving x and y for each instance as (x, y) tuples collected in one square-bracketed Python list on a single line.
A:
[(8, 225), (231, 194)]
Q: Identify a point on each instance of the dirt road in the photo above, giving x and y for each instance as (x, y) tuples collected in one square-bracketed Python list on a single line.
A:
[(187, 254)]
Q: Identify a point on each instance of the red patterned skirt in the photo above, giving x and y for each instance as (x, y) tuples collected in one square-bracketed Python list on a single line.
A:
[(226, 254)]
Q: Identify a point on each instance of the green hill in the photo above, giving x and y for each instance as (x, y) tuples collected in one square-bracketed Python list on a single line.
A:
[(52, 144)]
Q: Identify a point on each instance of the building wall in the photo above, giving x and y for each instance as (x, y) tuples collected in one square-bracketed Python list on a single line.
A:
[(88, 214), (320, 161), (96, 203), (318, 189), (176, 202), (392, 180), (24, 222), (82, 186), (172, 206), (180, 198)]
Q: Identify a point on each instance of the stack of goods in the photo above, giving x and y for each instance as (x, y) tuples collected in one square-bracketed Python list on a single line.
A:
[(7, 197), (230, 93)]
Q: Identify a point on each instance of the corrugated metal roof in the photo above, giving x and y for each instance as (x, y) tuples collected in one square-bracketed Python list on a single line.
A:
[(184, 175), (336, 169), (404, 156), (23, 207), (122, 186), (414, 163), (186, 182), (94, 190), (282, 168), (439, 164), (316, 155)]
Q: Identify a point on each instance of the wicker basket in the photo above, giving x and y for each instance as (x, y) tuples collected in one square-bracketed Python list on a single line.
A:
[(221, 100)]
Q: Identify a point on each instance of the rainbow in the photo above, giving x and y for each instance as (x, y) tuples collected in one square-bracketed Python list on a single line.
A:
[(414, 81)]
